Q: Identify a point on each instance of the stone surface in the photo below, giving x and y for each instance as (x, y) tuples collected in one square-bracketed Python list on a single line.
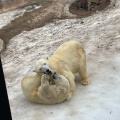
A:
[(1, 45)]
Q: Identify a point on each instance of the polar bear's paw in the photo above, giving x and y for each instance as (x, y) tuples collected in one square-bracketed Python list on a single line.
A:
[(69, 96), (44, 79), (85, 81)]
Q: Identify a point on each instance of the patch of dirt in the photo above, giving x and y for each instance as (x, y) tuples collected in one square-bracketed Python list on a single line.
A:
[(83, 12)]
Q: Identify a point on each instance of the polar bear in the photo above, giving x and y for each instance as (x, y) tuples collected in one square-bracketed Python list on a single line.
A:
[(39, 90), (68, 59)]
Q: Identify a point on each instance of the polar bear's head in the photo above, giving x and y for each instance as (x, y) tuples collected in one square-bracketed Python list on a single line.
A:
[(42, 66)]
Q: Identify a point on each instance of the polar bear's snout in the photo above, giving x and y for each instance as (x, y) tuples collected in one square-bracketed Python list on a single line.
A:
[(45, 69), (55, 75), (48, 72)]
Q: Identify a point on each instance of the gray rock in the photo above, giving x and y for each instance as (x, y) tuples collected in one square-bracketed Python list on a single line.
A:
[(1, 46)]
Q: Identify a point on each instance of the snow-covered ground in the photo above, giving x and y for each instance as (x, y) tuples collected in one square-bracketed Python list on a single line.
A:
[(100, 35)]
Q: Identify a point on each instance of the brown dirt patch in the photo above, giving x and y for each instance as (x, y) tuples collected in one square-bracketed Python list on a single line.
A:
[(83, 12)]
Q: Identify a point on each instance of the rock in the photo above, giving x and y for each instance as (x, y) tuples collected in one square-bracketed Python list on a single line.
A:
[(1, 46)]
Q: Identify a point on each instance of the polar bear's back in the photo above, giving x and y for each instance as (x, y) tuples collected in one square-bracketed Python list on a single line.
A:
[(69, 47), (71, 53)]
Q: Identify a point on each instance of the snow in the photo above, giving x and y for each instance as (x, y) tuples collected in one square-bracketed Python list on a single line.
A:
[(5, 18), (100, 35)]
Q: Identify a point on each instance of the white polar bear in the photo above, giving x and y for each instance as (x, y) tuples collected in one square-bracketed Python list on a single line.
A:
[(54, 81), (38, 89), (68, 59)]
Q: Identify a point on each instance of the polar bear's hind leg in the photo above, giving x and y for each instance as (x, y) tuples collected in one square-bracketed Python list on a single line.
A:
[(83, 74)]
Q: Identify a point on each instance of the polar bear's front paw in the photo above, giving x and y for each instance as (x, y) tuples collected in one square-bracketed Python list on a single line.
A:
[(69, 96), (45, 77), (85, 81)]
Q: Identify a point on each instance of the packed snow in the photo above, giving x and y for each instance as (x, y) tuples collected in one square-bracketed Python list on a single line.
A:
[(100, 36)]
